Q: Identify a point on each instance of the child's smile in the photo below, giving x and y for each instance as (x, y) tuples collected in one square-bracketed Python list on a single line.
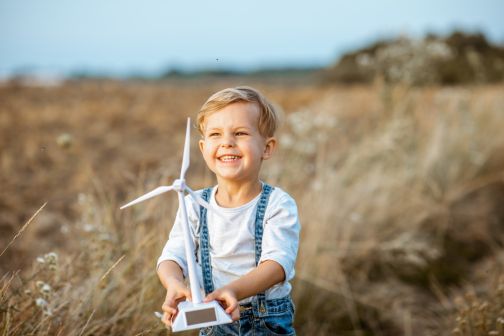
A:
[(233, 147), (229, 158)]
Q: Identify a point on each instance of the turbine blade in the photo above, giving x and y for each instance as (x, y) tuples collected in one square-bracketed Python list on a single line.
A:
[(187, 149), (198, 199), (153, 193), (206, 205)]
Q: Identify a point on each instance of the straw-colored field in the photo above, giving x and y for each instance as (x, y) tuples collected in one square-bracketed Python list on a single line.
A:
[(400, 192)]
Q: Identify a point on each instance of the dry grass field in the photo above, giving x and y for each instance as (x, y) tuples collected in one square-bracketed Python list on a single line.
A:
[(400, 192)]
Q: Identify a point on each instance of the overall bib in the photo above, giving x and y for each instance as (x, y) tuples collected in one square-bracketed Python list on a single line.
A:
[(260, 316)]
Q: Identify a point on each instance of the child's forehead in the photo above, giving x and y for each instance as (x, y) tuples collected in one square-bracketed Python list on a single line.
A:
[(237, 114)]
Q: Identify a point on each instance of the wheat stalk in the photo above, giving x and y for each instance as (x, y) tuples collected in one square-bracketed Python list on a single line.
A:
[(23, 228)]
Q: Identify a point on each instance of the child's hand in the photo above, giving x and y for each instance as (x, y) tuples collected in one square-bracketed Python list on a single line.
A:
[(227, 298), (176, 292)]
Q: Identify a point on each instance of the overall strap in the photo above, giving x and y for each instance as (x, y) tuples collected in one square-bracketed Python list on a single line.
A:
[(259, 224), (206, 265)]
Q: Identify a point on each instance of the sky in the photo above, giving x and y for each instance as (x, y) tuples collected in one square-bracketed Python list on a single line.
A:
[(152, 36)]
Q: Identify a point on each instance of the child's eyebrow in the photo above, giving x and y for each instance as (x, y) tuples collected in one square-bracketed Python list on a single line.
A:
[(215, 128), (212, 129)]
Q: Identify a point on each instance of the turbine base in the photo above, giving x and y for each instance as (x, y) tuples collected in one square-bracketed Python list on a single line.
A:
[(199, 315)]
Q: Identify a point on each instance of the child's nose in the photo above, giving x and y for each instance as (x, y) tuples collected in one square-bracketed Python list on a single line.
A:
[(228, 141)]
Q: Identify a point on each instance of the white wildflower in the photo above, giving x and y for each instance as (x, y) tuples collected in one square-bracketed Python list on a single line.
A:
[(307, 147), (51, 258), (287, 140), (81, 198), (52, 255), (46, 289), (105, 237), (41, 302), (64, 140), (88, 228), (44, 305)]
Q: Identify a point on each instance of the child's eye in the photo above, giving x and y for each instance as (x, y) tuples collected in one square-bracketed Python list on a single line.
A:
[(213, 134), (241, 133)]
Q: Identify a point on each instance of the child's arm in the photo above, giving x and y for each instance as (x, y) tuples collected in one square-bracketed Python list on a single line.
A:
[(264, 276), (171, 276)]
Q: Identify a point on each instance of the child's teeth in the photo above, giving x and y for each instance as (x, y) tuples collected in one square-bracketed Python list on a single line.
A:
[(228, 158)]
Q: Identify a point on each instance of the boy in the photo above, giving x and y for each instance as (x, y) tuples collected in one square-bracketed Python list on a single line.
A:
[(246, 265)]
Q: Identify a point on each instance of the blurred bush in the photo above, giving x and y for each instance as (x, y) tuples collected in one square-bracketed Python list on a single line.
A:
[(457, 59)]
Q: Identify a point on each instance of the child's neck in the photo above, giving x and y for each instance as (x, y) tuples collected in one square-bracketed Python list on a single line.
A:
[(232, 195)]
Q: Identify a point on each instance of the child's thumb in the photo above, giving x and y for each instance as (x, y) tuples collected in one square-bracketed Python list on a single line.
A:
[(209, 297), (188, 295)]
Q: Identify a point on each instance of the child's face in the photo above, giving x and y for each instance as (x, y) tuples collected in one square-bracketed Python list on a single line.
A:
[(232, 145)]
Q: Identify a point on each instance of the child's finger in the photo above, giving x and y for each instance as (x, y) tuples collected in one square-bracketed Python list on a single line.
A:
[(210, 297), (187, 294), (167, 319), (235, 315), (168, 307), (232, 305)]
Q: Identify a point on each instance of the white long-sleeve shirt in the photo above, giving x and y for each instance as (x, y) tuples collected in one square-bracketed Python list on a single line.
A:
[(231, 244)]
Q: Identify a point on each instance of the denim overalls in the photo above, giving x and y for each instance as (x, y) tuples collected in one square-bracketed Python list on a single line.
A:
[(260, 316)]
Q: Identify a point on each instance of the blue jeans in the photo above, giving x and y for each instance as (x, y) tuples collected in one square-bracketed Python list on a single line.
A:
[(275, 317)]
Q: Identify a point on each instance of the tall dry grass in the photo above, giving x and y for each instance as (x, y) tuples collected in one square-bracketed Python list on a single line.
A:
[(387, 201), (398, 191)]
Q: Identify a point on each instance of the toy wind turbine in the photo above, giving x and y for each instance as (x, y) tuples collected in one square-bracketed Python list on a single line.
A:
[(195, 314)]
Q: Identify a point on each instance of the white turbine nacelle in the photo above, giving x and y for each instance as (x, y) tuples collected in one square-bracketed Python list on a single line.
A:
[(195, 314)]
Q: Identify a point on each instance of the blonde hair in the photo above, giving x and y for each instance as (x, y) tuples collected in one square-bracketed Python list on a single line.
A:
[(268, 117)]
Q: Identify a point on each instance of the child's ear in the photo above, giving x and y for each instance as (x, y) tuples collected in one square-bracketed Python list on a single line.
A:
[(201, 144), (269, 148)]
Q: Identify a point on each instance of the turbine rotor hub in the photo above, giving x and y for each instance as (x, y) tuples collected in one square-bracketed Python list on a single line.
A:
[(179, 185)]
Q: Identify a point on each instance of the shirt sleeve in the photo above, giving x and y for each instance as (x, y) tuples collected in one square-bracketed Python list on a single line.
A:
[(281, 234), (174, 248)]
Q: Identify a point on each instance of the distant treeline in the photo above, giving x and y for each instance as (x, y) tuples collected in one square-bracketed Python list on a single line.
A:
[(264, 72), (460, 58)]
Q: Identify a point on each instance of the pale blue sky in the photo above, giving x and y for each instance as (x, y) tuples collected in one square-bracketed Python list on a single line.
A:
[(121, 37)]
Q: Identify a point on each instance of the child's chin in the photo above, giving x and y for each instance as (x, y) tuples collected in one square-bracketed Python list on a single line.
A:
[(228, 168), (230, 175)]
